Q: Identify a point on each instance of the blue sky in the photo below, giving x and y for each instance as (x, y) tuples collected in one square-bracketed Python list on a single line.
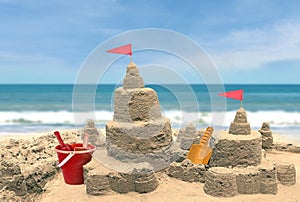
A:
[(250, 41)]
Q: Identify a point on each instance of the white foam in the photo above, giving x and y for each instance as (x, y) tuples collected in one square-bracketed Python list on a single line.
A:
[(285, 123), (276, 118), (49, 117)]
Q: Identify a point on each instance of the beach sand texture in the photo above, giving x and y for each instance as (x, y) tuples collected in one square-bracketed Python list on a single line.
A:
[(169, 188), (173, 189)]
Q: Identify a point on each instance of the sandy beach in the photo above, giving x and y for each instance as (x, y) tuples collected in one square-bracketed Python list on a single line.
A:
[(177, 190), (149, 101), (169, 188)]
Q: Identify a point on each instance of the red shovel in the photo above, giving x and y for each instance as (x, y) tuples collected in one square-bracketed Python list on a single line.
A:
[(63, 146)]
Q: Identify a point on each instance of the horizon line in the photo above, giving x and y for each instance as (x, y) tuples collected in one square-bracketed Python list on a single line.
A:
[(151, 84)]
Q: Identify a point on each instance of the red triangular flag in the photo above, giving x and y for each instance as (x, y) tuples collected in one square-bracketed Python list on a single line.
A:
[(126, 50), (235, 94)]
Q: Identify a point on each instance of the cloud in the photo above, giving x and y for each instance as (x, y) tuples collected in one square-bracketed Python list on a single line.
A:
[(253, 48)]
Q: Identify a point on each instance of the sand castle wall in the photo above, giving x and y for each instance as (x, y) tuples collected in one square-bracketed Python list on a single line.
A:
[(187, 171), (286, 173), (220, 182), (237, 150), (226, 182), (101, 180), (139, 104), (248, 180), (139, 138), (268, 183)]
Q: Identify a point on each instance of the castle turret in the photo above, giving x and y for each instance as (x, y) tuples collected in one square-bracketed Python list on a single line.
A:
[(240, 126)]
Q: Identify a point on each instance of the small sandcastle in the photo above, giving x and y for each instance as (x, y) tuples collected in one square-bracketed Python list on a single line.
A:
[(240, 146), (237, 165)]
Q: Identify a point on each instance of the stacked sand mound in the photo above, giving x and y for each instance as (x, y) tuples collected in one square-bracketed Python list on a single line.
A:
[(240, 146), (267, 138), (138, 128), (138, 141)]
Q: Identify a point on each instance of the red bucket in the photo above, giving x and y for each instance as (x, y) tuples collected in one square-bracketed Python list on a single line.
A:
[(72, 162)]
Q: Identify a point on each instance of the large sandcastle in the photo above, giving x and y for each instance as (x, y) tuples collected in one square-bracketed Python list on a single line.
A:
[(138, 131), (138, 141)]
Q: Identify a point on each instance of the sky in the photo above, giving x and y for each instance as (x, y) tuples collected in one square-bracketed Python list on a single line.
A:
[(249, 41)]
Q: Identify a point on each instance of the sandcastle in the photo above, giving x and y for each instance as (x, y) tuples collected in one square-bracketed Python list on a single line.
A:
[(237, 165), (240, 146), (138, 139), (138, 131)]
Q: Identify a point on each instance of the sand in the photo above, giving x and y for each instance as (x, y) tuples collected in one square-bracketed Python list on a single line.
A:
[(169, 189), (173, 189), (26, 136)]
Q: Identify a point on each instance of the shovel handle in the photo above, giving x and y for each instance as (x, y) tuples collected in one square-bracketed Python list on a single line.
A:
[(85, 140), (60, 141), (206, 136)]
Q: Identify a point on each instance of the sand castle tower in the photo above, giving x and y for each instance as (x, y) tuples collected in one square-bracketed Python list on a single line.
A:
[(240, 146), (138, 130), (187, 136), (94, 136), (267, 137)]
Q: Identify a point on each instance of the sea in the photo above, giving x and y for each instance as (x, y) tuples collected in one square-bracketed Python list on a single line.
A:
[(39, 108)]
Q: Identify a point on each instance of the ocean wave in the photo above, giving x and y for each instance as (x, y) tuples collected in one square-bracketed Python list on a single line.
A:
[(52, 117), (275, 118), (178, 118)]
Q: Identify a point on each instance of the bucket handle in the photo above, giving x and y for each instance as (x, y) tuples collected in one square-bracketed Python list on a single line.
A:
[(71, 154), (63, 162)]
